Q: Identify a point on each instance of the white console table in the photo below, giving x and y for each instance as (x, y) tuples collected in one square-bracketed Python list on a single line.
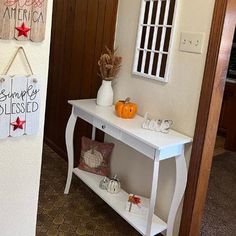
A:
[(155, 145)]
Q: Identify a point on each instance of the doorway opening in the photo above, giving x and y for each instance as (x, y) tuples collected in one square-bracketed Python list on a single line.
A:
[(219, 213), (227, 126), (217, 61)]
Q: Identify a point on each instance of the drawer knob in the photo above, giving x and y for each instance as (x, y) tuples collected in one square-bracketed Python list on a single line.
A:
[(103, 127)]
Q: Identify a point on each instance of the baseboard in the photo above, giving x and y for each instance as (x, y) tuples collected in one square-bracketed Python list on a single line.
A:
[(55, 148)]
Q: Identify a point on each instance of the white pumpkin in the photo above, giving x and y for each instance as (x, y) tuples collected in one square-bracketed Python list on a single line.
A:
[(93, 158), (104, 183), (114, 186)]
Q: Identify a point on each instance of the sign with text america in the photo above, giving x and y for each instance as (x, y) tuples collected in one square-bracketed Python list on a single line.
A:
[(23, 19)]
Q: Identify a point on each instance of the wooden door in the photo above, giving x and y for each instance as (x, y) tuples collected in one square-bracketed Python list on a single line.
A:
[(80, 30)]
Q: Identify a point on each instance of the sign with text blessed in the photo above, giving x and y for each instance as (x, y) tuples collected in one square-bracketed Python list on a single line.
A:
[(23, 19), (19, 106)]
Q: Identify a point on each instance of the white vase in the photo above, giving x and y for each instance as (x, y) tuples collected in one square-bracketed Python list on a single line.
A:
[(105, 94)]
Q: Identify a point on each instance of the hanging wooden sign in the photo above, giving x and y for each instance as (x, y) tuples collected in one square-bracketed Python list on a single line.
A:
[(19, 104), (23, 19)]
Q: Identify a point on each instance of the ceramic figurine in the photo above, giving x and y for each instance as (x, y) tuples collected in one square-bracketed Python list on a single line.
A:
[(156, 125), (114, 185), (165, 126), (126, 109)]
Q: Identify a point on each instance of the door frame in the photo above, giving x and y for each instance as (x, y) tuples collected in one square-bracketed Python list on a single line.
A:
[(219, 49)]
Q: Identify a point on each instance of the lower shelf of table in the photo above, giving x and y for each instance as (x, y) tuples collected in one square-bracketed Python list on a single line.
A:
[(117, 202)]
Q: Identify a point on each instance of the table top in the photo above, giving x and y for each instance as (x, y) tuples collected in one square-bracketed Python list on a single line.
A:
[(132, 127)]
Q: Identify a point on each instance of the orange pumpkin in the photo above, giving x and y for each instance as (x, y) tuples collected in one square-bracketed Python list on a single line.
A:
[(126, 109)]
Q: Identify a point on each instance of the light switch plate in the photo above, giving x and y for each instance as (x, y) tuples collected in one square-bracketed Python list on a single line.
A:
[(192, 42)]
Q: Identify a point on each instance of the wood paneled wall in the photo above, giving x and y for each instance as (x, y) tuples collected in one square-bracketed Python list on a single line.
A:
[(80, 30)]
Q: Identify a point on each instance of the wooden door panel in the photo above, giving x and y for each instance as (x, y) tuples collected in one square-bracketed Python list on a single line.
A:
[(80, 30), (89, 49), (78, 48), (226, 109), (55, 64)]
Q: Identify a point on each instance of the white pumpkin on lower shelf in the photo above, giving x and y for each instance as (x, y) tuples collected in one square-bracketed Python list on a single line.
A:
[(114, 185)]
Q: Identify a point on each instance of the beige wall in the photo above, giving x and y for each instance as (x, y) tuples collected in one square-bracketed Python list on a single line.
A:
[(177, 100), (20, 158)]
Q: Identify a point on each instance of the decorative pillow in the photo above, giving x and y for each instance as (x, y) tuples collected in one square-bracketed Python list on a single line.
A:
[(95, 156)]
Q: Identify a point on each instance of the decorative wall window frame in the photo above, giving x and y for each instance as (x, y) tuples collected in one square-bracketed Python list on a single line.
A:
[(155, 39)]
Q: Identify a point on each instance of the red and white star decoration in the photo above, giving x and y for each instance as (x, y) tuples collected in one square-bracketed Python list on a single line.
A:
[(18, 124), (23, 30)]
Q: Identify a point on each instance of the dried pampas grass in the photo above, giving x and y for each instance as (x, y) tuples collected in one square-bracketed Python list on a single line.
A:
[(109, 64)]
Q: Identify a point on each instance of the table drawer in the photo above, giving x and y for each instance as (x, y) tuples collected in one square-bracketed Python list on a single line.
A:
[(108, 129), (138, 145)]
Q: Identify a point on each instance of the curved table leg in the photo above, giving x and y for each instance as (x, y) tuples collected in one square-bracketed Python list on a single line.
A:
[(70, 148), (181, 181)]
